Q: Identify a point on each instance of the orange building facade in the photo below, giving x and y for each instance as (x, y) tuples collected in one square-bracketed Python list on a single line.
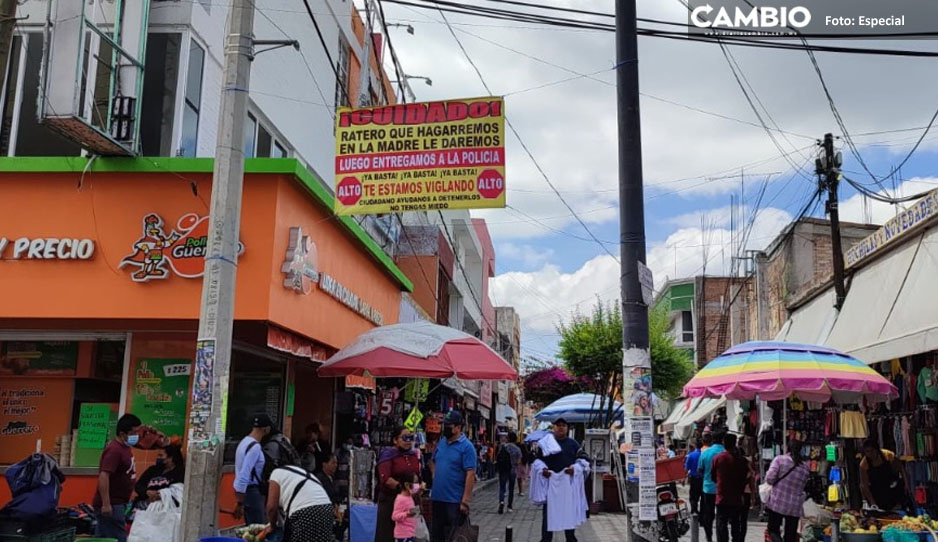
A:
[(100, 286)]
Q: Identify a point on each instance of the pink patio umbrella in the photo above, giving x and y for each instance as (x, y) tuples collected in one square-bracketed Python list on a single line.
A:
[(419, 350)]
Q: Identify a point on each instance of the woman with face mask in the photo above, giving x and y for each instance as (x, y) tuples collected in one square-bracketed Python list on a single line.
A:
[(400, 460), (169, 469)]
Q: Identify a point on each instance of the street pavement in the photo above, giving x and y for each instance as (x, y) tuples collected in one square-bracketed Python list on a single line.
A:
[(525, 521)]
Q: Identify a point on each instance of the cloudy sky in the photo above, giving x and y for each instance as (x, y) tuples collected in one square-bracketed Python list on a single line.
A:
[(702, 144)]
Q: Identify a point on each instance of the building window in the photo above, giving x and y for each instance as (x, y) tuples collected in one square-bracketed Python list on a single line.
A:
[(22, 134), (687, 327), (188, 141), (342, 65), (159, 94), (250, 135), (264, 141), (279, 151)]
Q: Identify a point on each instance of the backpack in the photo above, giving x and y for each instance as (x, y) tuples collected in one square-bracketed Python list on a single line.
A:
[(287, 456), (503, 459)]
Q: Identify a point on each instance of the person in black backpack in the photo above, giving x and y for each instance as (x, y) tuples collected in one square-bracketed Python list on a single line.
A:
[(249, 468), (506, 461)]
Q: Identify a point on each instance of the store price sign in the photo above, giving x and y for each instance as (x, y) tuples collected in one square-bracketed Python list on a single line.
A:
[(413, 420)]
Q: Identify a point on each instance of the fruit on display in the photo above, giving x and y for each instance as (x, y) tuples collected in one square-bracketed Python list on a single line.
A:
[(848, 523), (915, 523), (252, 533)]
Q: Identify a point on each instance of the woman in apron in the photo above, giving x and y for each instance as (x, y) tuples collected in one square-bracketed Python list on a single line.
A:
[(881, 479)]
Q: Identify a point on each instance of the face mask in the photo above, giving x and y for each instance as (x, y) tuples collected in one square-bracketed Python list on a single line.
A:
[(415, 490), (160, 461), (448, 431), (132, 440)]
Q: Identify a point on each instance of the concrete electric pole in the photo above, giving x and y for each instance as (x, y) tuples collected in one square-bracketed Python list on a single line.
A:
[(636, 359), (213, 349)]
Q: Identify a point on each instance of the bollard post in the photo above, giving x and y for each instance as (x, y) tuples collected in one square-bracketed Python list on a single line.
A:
[(694, 530), (508, 533)]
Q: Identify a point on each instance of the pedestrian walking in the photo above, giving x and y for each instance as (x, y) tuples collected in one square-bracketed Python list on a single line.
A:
[(524, 467), (694, 478), (249, 472), (394, 462), (730, 471), (405, 509), (305, 503), (454, 467), (787, 475), (708, 502), (116, 473), (507, 460), (561, 463)]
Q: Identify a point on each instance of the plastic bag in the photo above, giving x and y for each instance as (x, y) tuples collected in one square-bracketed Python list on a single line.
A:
[(161, 521), (765, 489), (422, 533)]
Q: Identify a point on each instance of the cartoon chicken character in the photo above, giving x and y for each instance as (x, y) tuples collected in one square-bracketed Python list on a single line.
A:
[(149, 250)]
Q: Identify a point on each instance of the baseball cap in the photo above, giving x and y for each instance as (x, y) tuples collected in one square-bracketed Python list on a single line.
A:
[(262, 420), (453, 417), (560, 420)]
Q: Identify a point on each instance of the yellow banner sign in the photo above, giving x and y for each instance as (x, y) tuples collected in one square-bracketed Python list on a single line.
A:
[(420, 157)]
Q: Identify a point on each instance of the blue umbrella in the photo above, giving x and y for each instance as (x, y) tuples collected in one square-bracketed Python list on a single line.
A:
[(579, 408)]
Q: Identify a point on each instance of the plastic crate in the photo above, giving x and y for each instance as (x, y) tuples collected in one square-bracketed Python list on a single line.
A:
[(58, 535)]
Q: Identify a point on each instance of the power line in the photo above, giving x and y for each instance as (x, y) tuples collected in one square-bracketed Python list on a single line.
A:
[(325, 48), (524, 145)]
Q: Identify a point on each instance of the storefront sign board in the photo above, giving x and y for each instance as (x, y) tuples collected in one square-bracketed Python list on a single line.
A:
[(420, 157), (46, 248), (181, 251), (159, 394), (908, 221), (39, 358)]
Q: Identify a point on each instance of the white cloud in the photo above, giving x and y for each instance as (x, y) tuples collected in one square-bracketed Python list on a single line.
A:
[(525, 254)]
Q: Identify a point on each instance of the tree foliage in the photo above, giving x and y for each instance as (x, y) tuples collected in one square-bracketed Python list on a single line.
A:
[(671, 367), (547, 385), (591, 347)]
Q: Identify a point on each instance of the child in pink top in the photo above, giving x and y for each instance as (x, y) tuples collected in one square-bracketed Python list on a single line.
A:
[(405, 510)]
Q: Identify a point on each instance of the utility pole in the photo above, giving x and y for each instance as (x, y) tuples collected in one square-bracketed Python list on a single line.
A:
[(7, 25), (828, 171), (636, 359), (213, 350)]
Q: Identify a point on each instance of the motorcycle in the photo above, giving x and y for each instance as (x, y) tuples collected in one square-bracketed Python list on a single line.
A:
[(673, 513)]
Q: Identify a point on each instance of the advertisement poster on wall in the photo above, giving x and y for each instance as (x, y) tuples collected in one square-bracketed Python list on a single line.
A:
[(33, 409), (420, 157), (160, 393), (38, 358)]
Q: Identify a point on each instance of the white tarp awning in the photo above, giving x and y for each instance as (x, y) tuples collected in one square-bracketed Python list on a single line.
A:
[(681, 408), (503, 413), (890, 311), (703, 410)]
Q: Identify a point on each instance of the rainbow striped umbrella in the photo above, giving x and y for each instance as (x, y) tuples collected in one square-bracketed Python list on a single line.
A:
[(777, 370)]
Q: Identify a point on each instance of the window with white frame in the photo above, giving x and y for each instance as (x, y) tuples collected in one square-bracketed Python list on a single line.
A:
[(192, 103), (160, 80), (687, 327), (342, 66)]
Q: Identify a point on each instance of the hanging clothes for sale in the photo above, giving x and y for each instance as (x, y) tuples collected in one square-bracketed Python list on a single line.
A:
[(853, 425)]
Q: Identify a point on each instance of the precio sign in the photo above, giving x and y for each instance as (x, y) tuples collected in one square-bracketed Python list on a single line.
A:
[(46, 248)]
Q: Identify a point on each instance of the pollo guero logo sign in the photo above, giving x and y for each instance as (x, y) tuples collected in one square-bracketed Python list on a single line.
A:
[(161, 251)]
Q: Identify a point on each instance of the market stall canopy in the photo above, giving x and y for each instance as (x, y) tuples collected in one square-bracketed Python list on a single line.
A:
[(885, 315), (703, 410), (775, 370), (680, 409), (503, 413), (579, 408), (419, 350)]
